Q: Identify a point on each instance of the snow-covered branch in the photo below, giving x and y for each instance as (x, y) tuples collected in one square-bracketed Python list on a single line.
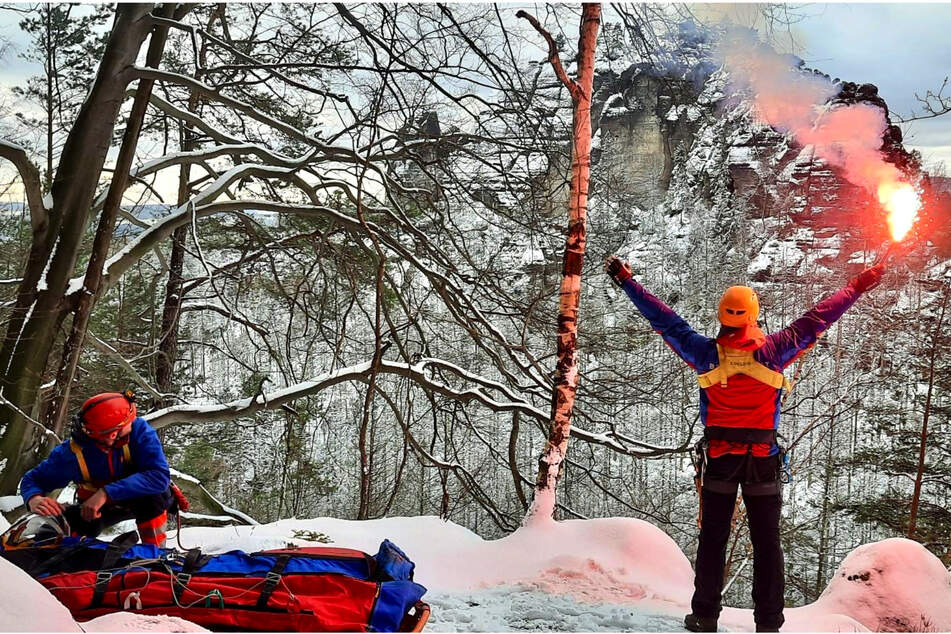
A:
[(191, 414), (5, 402), (195, 491), (261, 330), (128, 255), (192, 119), (418, 372), (209, 92)]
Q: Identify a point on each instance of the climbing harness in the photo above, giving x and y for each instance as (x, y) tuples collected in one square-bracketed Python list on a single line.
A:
[(88, 486)]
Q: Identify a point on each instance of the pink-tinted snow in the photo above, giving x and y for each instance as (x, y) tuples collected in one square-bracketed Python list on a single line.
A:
[(578, 575)]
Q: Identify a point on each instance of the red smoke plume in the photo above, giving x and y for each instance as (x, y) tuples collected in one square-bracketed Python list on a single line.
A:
[(848, 137)]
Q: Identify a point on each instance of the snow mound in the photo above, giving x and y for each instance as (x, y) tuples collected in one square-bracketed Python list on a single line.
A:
[(128, 622), (593, 561), (619, 559), (26, 606), (895, 585), (615, 559)]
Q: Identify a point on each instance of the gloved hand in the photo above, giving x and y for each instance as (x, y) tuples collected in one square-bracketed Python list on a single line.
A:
[(869, 278), (618, 269)]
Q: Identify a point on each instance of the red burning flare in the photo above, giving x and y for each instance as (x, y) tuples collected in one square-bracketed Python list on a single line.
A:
[(902, 203)]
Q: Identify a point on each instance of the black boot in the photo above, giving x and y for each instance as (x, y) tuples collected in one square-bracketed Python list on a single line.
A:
[(696, 623), (765, 628)]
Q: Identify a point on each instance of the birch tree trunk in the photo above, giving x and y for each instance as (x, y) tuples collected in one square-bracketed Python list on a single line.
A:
[(566, 370)]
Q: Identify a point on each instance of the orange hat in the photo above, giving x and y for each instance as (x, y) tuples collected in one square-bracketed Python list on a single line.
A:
[(739, 306), (105, 413)]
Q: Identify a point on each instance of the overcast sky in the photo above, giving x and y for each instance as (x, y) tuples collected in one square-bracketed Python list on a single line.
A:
[(902, 48)]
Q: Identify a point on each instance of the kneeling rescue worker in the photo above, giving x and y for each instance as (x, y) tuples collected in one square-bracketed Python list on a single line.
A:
[(741, 383), (117, 462)]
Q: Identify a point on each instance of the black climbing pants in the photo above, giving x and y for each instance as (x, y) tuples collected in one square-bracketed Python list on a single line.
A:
[(763, 499)]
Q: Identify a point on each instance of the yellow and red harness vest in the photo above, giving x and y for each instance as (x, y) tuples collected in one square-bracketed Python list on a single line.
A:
[(734, 361), (88, 486)]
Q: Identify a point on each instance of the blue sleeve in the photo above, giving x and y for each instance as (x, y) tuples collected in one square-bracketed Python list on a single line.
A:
[(151, 468), (803, 332), (59, 469), (690, 346)]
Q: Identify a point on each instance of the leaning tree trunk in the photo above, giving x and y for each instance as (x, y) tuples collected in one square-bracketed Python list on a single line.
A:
[(566, 370), (58, 229), (73, 348)]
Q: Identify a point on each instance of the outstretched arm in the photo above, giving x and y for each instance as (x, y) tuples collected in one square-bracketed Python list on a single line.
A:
[(668, 324), (803, 332)]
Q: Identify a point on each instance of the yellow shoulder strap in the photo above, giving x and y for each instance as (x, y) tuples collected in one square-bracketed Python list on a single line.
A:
[(718, 374), (78, 451)]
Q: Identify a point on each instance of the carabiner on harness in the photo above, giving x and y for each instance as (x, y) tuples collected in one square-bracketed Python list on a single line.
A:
[(699, 459), (785, 475)]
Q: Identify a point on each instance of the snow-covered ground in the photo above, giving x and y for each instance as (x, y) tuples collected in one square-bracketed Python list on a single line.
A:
[(591, 575)]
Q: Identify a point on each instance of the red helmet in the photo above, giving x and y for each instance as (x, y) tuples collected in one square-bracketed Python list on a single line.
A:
[(105, 413)]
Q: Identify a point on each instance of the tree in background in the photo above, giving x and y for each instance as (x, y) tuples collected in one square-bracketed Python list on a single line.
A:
[(67, 41), (58, 229)]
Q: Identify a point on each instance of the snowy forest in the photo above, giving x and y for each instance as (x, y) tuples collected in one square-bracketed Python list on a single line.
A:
[(324, 244)]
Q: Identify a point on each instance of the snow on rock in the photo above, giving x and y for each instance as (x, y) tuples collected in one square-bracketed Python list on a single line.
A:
[(784, 253), (895, 585), (615, 559), (129, 622), (533, 255), (26, 606)]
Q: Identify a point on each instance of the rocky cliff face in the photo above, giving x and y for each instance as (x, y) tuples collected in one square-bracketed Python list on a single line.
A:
[(643, 120), (664, 141)]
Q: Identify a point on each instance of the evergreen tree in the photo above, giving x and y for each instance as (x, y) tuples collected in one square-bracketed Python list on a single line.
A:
[(66, 41)]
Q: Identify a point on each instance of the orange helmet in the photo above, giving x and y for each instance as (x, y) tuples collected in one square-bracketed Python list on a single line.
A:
[(105, 413), (739, 306)]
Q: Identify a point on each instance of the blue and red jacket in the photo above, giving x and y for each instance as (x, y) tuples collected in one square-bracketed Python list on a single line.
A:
[(146, 474), (746, 402)]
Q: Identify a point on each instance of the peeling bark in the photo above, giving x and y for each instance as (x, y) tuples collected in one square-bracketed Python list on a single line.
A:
[(566, 370)]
